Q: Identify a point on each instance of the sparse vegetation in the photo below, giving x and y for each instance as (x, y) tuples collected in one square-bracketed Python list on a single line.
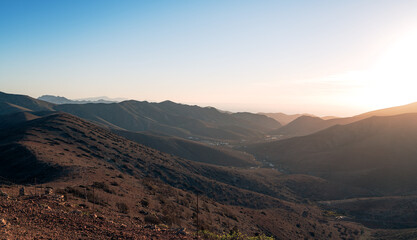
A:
[(103, 186), (233, 234), (122, 207), (152, 219), (85, 194)]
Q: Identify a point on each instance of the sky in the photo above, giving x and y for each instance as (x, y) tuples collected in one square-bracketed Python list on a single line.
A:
[(337, 58)]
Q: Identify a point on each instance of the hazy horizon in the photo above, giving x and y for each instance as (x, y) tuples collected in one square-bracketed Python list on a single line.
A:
[(323, 58)]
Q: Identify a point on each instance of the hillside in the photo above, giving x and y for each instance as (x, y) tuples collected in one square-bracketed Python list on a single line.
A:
[(128, 182), (12, 103), (172, 119), (303, 125), (191, 150), (258, 121), (167, 118), (408, 108), (283, 118), (377, 153), (306, 125)]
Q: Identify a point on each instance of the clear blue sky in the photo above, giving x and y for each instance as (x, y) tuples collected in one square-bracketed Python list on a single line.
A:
[(236, 55)]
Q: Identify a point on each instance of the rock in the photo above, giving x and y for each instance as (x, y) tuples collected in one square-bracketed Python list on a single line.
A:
[(181, 231), (3, 223), (49, 191), (3, 194), (149, 226), (60, 198), (305, 214)]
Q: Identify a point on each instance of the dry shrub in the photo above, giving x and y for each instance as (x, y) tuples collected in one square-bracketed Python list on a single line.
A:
[(122, 207)]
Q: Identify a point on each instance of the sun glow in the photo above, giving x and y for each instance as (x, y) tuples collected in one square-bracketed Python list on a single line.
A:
[(393, 79), (390, 81)]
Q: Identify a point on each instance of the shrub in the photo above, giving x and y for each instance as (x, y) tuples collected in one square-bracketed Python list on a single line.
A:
[(114, 183), (103, 186), (85, 194), (234, 234), (144, 202), (152, 219), (122, 207)]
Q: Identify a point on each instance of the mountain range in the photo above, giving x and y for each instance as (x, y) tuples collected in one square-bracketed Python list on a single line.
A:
[(305, 125), (64, 100), (74, 156), (165, 117), (377, 153), (137, 163)]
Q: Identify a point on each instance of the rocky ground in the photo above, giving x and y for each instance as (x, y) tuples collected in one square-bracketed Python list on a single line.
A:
[(51, 217)]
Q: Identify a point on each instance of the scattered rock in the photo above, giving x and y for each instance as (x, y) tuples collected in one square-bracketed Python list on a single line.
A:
[(305, 214), (181, 231), (153, 227), (3, 223), (3, 194), (143, 212), (49, 191), (78, 212)]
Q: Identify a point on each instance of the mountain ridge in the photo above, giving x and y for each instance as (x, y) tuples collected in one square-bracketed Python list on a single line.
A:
[(368, 153), (166, 117)]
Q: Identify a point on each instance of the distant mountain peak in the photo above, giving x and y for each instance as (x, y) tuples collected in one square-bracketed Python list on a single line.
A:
[(64, 100)]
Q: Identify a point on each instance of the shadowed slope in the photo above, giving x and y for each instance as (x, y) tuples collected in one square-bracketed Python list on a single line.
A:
[(306, 125), (166, 117), (191, 150), (172, 119), (12, 103), (377, 153), (124, 171), (283, 118), (64, 140), (303, 125)]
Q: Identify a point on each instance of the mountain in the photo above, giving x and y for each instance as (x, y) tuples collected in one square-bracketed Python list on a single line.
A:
[(172, 119), (129, 184), (306, 125), (303, 125), (257, 121), (191, 150), (283, 118), (377, 153), (163, 118), (328, 117), (105, 98), (64, 100), (12, 103), (408, 108)]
